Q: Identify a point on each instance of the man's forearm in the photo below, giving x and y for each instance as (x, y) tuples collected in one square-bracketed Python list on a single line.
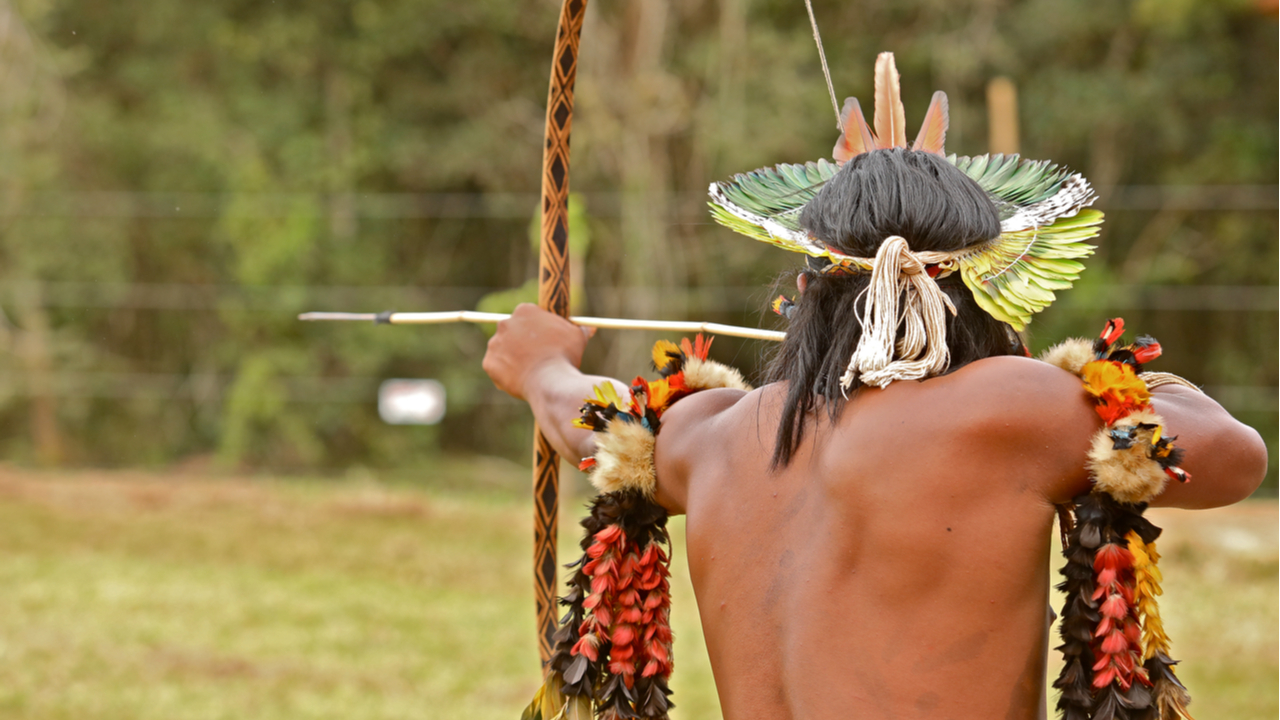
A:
[(555, 393)]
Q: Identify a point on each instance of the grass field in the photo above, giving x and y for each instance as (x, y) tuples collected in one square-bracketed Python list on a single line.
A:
[(138, 596)]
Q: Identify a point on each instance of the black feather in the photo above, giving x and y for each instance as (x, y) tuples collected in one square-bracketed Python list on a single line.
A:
[(1079, 613)]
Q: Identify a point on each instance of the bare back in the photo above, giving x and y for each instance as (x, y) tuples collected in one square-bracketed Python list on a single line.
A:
[(897, 567)]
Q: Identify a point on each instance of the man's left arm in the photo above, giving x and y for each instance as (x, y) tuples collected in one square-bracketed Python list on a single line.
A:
[(534, 356)]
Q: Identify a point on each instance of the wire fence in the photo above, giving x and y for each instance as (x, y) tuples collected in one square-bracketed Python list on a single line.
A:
[(366, 298), (193, 297), (209, 387), (497, 205)]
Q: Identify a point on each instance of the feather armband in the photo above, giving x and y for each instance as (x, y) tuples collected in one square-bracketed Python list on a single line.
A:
[(1116, 651), (612, 656)]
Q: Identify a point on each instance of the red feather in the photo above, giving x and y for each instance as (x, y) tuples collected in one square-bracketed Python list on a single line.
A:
[(1146, 353), (1113, 330), (1112, 556), (856, 137), (933, 131)]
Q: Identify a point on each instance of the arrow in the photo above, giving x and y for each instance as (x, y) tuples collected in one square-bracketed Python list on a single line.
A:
[(480, 318)]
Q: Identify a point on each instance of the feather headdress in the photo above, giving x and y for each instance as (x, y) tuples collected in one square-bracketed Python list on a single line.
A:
[(1044, 223)]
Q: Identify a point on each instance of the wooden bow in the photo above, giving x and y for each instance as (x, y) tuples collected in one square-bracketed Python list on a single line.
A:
[(553, 295)]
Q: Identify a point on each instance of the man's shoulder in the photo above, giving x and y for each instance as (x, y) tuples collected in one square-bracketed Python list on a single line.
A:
[(702, 408), (1007, 387), (1020, 392), (1025, 411), (689, 429), (1011, 376)]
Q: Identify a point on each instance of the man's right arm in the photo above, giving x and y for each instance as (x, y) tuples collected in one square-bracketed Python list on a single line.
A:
[(1227, 459), (1044, 411)]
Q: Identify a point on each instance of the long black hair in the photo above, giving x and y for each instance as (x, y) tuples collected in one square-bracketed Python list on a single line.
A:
[(918, 196)]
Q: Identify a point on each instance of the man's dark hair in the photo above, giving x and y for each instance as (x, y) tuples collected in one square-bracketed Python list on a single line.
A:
[(918, 196)]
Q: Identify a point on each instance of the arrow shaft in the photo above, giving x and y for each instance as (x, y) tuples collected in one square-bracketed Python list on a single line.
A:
[(471, 316)]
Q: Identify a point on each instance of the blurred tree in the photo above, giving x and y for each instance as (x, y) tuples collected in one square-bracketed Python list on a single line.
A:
[(181, 178), (505, 301)]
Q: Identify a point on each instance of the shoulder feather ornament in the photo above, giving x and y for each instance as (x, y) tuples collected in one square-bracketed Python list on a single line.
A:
[(1044, 221), (613, 650), (1117, 657)]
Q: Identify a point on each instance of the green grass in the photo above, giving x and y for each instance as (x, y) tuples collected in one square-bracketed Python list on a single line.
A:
[(139, 596)]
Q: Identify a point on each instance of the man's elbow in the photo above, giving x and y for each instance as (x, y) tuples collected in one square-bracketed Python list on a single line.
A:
[(1254, 460), (1244, 463)]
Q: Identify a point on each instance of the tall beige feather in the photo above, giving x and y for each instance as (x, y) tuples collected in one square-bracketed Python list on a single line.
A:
[(891, 122)]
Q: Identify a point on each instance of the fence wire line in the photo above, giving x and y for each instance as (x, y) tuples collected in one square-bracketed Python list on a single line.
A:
[(211, 387), (374, 298), (203, 388), (512, 205)]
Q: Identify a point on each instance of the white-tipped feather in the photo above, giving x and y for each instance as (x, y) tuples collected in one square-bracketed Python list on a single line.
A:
[(1074, 194), (806, 244)]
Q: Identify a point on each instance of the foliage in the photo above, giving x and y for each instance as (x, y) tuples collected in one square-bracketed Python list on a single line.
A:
[(180, 179), (505, 301)]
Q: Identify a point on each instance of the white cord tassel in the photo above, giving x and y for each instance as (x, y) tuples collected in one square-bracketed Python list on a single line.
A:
[(879, 358)]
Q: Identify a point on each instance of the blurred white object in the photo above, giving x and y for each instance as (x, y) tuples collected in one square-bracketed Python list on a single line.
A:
[(411, 402)]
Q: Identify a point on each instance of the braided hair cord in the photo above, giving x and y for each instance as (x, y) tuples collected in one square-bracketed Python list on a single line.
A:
[(901, 294)]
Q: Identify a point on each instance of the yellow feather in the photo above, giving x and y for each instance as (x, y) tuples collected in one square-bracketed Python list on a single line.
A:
[(1146, 588), (534, 711), (606, 394), (1101, 376), (552, 699), (579, 708), (660, 353), (660, 393)]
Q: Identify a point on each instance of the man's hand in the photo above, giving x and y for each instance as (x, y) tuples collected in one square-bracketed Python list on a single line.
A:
[(534, 357), (531, 341)]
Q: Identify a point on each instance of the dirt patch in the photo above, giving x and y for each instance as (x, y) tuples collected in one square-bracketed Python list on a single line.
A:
[(1248, 531), (380, 503), (129, 490)]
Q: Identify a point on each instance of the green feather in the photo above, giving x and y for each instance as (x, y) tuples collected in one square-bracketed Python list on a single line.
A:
[(1010, 179), (1013, 277), (772, 196), (776, 193)]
